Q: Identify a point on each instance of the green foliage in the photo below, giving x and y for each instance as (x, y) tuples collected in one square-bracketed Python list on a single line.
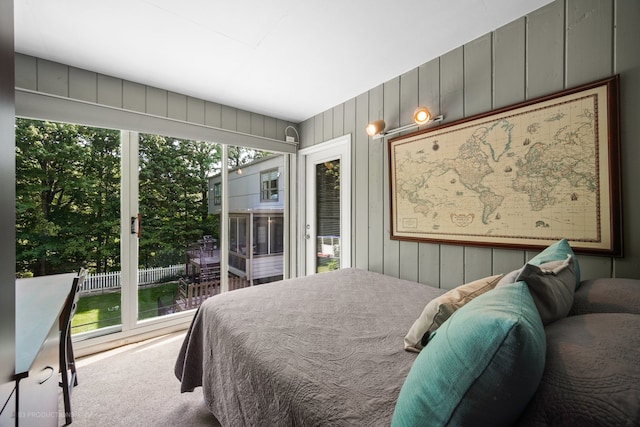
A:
[(67, 197), (68, 182), (174, 196), (238, 156)]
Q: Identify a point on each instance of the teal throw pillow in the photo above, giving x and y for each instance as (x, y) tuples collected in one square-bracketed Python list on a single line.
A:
[(481, 366), (558, 252)]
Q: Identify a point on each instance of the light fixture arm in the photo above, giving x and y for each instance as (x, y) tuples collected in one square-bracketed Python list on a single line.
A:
[(406, 128)]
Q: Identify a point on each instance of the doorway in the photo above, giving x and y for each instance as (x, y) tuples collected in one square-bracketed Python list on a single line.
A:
[(325, 206)]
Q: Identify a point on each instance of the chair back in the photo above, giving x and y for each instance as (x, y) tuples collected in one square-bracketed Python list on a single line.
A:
[(71, 303)]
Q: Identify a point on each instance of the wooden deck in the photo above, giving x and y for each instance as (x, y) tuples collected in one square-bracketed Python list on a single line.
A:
[(191, 295), (203, 264)]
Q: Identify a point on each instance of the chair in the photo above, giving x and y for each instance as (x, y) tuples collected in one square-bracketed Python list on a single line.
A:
[(67, 360)]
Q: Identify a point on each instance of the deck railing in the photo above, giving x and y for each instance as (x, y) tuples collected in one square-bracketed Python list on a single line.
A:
[(112, 280)]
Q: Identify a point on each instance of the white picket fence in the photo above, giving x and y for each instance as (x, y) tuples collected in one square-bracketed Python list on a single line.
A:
[(112, 280)]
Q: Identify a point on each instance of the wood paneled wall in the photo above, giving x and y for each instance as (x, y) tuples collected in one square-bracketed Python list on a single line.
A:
[(49, 77), (562, 45)]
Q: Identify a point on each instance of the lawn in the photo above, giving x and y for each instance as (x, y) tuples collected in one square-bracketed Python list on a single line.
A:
[(100, 310)]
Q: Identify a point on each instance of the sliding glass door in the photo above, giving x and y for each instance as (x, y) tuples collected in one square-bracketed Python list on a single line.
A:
[(178, 257), (256, 217)]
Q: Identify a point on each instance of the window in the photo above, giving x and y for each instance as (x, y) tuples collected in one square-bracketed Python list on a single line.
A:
[(217, 194), (101, 179), (268, 235), (269, 185), (68, 187), (238, 234)]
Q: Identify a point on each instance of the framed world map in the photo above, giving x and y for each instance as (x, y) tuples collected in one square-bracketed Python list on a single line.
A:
[(523, 176)]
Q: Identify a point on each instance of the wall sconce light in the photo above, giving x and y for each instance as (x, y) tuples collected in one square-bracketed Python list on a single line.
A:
[(376, 127), (421, 116)]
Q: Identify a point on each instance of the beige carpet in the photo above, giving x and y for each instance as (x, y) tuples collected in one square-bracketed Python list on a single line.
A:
[(135, 386)]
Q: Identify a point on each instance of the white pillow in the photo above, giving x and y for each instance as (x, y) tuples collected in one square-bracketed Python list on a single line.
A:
[(440, 309)]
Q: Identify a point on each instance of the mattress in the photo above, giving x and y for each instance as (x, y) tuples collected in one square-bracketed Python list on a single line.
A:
[(321, 350)]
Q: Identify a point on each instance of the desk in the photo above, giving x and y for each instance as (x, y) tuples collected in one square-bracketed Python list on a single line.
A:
[(39, 302)]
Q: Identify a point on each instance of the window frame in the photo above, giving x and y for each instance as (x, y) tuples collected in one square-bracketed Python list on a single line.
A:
[(267, 193), (45, 106), (216, 192)]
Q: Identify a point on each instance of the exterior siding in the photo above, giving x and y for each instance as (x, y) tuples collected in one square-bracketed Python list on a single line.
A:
[(244, 188), (561, 45)]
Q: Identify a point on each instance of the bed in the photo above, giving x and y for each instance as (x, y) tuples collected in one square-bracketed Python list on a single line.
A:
[(320, 350), (534, 347)]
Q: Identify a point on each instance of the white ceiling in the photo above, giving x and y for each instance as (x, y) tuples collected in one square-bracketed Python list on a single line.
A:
[(289, 59)]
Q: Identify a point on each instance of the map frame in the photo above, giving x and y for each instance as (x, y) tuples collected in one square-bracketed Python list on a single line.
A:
[(410, 202)]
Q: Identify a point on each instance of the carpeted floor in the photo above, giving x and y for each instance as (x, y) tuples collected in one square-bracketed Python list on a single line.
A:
[(135, 386)]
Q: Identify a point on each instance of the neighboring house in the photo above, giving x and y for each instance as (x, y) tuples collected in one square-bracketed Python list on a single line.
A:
[(256, 218)]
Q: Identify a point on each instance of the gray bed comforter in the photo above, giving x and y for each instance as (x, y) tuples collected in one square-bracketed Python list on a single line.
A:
[(323, 350)]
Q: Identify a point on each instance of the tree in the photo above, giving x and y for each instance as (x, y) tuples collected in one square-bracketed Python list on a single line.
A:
[(67, 197), (239, 156), (174, 196)]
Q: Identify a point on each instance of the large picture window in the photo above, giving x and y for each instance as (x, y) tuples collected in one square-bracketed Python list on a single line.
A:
[(138, 211)]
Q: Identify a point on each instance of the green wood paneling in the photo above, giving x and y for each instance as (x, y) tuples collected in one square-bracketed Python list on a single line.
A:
[(376, 184), (451, 266), (477, 263), (83, 85), (195, 110), (176, 106), (589, 30), (243, 121), (109, 91), (338, 121), (26, 72), (509, 64), (133, 97), (545, 50), (477, 76), (452, 85), (360, 199), (391, 248), (627, 63), (49, 77), (429, 86), (409, 92), (213, 115), (157, 101), (327, 126), (562, 44), (52, 78), (429, 264), (318, 127)]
